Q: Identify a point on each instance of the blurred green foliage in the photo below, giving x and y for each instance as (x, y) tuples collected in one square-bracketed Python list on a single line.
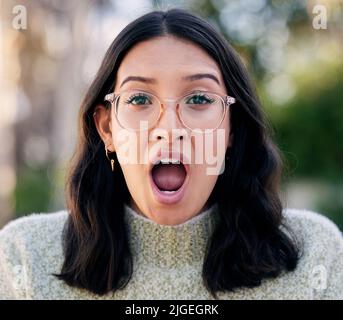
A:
[(310, 131), (33, 192)]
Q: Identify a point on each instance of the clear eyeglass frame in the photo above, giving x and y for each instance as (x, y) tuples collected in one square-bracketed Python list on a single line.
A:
[(226, 101)]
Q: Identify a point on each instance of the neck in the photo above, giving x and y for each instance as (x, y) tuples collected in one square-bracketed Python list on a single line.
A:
[(169, 245)]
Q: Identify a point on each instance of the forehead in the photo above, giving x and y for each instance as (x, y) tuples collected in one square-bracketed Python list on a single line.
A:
[(167, 57)]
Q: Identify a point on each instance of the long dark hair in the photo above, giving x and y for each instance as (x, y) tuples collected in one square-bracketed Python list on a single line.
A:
[(248, 245)]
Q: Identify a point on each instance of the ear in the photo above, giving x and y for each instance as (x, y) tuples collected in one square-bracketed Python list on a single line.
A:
[(102, 120)]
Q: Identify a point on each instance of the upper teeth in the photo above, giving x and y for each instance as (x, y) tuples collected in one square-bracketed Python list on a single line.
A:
[(169, 160)]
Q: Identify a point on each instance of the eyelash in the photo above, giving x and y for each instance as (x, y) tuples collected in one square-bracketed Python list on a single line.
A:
[(202, 95), (130, 99)]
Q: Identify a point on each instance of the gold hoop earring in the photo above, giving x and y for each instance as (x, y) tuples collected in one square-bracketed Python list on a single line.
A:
[(111, 160)]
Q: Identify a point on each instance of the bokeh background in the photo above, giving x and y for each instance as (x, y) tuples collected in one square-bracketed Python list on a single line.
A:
[(46, 67)]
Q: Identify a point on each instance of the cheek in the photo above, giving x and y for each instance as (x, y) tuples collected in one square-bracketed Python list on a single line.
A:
[(136, 182), (202, 181), (127, 146), (133, 174), (210, 153), (130, 146)]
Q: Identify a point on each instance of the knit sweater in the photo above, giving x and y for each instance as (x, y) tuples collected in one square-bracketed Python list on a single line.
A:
[(167, 260)]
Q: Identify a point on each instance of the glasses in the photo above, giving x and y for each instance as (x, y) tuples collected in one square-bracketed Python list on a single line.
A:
[(198, 110)]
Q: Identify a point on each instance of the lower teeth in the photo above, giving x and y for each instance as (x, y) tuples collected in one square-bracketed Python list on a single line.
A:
[(167, 191)]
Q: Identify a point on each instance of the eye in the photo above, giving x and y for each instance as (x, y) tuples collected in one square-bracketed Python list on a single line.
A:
[(199, 99), (138, 99)]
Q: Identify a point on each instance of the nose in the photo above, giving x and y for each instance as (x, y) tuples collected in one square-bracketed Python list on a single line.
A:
[(169, 126)]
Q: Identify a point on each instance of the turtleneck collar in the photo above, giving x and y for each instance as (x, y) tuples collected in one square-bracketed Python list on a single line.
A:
[(169, 246)]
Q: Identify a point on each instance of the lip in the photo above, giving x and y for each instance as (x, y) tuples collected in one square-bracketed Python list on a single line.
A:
[(176, 196)]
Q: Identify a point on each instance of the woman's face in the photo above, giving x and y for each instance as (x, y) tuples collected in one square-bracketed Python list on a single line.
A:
[(167, 193)]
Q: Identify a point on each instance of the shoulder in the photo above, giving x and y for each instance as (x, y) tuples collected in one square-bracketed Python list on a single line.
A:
[(321, 252), (34, 225), (30, 245), (31, 232), (313, 227)]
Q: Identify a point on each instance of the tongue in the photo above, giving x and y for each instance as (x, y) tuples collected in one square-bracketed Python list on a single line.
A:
[(169, 176)]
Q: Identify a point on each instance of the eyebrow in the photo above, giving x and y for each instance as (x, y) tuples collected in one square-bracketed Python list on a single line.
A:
[(199, 76), (138, 78), (192, 77)]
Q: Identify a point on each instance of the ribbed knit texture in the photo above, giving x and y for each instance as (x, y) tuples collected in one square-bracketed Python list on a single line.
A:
[(167, 260)]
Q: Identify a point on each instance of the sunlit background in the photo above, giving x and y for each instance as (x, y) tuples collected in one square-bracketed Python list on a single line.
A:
[(292, 52)]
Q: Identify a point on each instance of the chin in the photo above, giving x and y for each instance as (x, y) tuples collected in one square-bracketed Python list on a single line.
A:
[(170, 215)]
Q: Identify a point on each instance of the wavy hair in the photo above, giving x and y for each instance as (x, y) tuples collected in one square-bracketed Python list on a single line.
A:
[(248, 245)]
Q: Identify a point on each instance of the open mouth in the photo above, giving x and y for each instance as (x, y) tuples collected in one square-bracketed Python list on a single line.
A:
[(169, 179)]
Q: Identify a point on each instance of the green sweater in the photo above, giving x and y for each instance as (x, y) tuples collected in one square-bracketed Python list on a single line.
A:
[(167, 260)]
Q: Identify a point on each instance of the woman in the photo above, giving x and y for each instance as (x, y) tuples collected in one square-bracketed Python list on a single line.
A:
[(147, 216)]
